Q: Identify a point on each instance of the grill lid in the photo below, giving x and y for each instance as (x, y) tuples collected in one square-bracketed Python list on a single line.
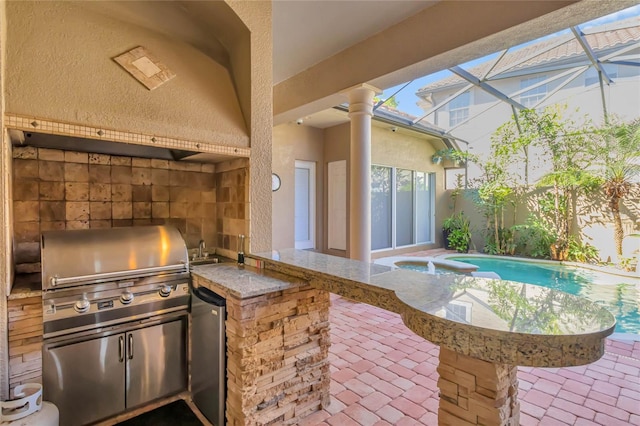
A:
[(77, 257)]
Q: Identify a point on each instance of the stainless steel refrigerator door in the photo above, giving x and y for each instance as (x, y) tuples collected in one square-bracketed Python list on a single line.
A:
[(156, 364), (208, 360), (85, 379)]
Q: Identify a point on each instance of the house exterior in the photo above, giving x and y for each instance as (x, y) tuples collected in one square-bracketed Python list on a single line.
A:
[(58, 77), (556, 70), (407, 211)]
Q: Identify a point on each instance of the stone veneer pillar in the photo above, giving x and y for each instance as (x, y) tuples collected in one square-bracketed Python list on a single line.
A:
[(360, 113), (476, 392), (277, 356)]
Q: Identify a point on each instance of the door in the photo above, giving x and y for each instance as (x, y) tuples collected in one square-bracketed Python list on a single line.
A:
[(305, 205), (85, 379), (155, 362)]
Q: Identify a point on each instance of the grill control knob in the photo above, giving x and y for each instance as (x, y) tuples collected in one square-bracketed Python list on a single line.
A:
[(126, 297), (82, 305), (165, 290)]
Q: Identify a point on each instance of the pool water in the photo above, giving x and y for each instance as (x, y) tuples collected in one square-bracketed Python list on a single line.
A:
[(423, 268), (620, 296)]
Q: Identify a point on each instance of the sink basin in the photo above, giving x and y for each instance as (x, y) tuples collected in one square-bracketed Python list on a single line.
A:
[(195, 261), (203, 261)]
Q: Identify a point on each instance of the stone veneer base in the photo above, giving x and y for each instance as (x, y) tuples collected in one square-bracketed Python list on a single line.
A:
[(476, 392), (277, 355)]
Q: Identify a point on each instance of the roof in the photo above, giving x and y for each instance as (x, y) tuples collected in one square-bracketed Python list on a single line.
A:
[(553, 50)]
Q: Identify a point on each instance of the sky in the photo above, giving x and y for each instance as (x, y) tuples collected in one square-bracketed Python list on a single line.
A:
[(407, 99)]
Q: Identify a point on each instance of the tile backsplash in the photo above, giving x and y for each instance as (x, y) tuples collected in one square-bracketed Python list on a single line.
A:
[(56, 189)]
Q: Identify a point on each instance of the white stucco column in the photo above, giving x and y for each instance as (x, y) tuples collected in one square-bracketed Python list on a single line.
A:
[(360, 113)]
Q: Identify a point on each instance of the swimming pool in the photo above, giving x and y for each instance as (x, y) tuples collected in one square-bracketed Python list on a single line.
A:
[(621, 296)]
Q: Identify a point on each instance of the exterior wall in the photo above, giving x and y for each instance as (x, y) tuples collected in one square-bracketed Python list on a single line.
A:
[(584, 103), (258, 67), (292, 142), (593, 222)]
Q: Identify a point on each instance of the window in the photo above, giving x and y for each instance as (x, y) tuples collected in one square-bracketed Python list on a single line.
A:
[(459, 109), (591, 75), (401, 207), (458, 311), (530, 98)]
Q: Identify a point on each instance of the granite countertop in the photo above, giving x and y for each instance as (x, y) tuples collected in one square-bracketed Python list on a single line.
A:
[(494, 320), (243, 282), (25, 286)]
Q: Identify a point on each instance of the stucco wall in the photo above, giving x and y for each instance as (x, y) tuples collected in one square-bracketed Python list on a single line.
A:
[(290, 143), (593, 222), (257, 17), (61, 67), (5, 218)]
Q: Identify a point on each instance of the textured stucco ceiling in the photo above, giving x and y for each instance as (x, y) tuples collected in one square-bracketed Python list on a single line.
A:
[(305, 32)]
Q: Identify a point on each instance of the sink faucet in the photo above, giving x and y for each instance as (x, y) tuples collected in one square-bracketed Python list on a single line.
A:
[(201, 246)]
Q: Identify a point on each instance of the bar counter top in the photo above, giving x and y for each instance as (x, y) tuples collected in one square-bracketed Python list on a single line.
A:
[(243, 282), (492, 320)]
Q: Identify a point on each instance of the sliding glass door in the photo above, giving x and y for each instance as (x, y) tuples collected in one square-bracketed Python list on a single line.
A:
[(401, 207)]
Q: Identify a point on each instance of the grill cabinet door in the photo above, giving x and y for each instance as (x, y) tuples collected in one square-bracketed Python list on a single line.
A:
[(156, 364), (85, 379)]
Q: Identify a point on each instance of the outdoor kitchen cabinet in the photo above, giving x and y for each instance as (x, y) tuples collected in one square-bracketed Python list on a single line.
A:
[(105, 376), (155, 364)]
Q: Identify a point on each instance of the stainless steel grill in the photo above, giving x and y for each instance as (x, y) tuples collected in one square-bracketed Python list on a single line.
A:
[(115, 304)]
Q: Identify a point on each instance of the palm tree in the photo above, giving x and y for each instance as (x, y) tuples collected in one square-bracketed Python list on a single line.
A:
[(621, 154)]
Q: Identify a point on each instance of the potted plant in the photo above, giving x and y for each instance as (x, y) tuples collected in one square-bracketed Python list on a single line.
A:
[(447, 226), (456, 157), (456, 231)]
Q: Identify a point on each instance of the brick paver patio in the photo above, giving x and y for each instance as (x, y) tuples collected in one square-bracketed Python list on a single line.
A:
[(384, 374)]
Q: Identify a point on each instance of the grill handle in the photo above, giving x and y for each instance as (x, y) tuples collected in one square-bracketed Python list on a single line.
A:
[(130, 346), (121, 348), (107, 276)]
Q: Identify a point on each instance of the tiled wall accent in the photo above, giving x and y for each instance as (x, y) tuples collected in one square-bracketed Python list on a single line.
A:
[(232, 205), (25, 341), (476, 392), (36, 124), (55, 189), (277, 356)]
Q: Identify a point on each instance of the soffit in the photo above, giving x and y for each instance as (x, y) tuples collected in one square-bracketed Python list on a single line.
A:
[(306, 32)]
